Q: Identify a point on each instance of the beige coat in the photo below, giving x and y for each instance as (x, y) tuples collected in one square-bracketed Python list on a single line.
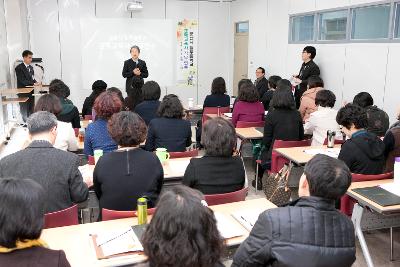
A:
[(307, 102)]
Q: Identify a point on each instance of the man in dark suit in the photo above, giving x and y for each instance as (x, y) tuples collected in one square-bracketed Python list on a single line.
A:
[(55, 170), (308, 69), (134, 67), (261, 83), (25, 77)]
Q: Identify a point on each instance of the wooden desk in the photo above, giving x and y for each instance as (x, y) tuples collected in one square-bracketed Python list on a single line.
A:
[(379, 218), (74, 240), (249, 133), (15, 100), (14, 91), (297, 154), (195, 109)]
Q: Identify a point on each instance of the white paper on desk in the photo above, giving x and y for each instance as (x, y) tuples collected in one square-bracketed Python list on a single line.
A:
[(125, 240), (393, 188), (226, 228), (331, 152), (229, 115), (178, 166), (246, 218)]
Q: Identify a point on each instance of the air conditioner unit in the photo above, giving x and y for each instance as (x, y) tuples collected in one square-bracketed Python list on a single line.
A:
[(134, 6)]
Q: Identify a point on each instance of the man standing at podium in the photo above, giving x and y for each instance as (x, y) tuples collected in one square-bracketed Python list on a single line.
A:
[(25, 77), (134, 67)]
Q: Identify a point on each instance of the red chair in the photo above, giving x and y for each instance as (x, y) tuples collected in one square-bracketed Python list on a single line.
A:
[(217, 110), (185, 154), (218, 199), (91, 160), (347, 202), (337, 142), (87, 117), (248, 124), (68, 216), (107, 215), (76, 130)]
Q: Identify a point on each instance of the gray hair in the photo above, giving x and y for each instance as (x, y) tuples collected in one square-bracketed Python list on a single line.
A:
[(135, 47), (41, 121)]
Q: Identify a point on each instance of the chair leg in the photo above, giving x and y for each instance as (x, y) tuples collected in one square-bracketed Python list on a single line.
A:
[(391, 244), (256, 178)]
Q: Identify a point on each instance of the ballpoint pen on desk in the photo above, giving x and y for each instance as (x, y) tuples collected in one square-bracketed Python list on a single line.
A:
[(105, 242), (246, 221)]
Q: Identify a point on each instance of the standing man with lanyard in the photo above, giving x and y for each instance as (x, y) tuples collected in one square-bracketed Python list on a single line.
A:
[(134, 67), (261, 83), (25, 77), (308, 69)]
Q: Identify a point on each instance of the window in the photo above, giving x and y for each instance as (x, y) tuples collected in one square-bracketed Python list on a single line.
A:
[(371, 22), (242, 27), (332, 25), (397, 22), (302, 28)]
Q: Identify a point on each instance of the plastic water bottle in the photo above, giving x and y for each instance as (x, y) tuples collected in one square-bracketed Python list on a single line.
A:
[(397, 170), (142, 210)]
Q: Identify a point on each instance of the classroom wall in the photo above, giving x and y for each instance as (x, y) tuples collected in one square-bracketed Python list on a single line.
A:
[(55, 36), (346, 68), (4, 64)]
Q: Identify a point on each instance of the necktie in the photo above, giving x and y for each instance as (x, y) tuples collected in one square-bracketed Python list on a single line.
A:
[(30, 69)]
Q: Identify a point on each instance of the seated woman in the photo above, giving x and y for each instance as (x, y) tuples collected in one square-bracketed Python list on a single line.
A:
[(97, 136), (219, 171), (69, 113), (392, 144), (218, 97), (323, 119), (283, 122), (248, 108), (170, 130), (267, 97), (363, 152), (307, 101), (151, 101), (123, 176), (21, 223), (98, 87), (65, 139), (135, 95), (183, 232)]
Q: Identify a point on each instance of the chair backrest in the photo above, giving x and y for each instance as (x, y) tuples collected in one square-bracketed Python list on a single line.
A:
[(87, 117), (248, 124), (347, 202), (68, 216), (277, 161), (186, 154), (218, 199), (216, 110), (107, 215), (91, 160), (336, 142)]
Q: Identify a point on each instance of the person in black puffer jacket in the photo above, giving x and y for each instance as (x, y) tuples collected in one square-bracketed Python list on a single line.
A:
[(364, 152), (308, 232)]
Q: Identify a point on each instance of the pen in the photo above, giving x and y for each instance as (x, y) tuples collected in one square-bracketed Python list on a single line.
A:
[(114, 238), (246, 221)]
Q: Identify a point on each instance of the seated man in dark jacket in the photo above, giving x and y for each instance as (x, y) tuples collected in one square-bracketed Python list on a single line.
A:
[(308, 232), (364, 152), (54, 169)]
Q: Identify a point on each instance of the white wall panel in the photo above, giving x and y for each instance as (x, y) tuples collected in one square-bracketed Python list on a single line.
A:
[(327, 4), (299, 6), (392, 99)]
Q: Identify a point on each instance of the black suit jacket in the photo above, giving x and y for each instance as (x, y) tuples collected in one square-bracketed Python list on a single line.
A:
[(24, 78), (262, 86), (306, 71), (129, 66), (54, 169)]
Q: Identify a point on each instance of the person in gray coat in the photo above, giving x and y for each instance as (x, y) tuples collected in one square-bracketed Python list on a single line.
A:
[(55, 170), (308, 232)]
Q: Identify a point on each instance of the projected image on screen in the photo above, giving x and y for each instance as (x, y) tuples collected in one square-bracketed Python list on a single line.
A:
[(106, 44)]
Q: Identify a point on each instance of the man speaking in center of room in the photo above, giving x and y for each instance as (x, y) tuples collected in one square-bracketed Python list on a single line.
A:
[(134, 67)]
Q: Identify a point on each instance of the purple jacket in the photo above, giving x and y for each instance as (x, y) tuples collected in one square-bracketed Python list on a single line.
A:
[(246, 111)]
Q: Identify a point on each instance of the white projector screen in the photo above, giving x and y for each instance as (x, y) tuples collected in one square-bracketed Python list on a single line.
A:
[(106, 44)]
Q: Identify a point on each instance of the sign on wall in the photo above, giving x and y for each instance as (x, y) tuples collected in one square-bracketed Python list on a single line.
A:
[(187, 34)]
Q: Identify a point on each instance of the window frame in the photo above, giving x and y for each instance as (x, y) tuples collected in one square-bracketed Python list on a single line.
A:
[(291, 19), (396, 24), (319, 25)]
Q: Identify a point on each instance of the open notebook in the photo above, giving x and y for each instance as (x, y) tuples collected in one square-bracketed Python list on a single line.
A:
[(246, 218)]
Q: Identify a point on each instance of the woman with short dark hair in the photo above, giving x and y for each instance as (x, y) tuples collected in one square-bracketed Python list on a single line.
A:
[(170, 130), (218, 96), (267, 97), (124, 175), (65, 139), (219, 171), (183, 232), (248, 108), (151, 101), (97, 136), (21, 223), (282, 123), (98, 87), (69, 113)]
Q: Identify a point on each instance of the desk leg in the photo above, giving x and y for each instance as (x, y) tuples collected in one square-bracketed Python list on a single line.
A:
[(391, 244), (356, 218)]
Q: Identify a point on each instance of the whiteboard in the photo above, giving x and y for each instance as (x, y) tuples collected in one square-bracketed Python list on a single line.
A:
[(106, 44)]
